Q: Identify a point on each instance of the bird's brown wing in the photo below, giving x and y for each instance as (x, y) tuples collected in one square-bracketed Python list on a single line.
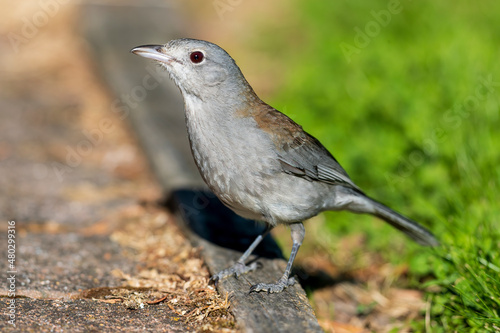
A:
[(299, 153)]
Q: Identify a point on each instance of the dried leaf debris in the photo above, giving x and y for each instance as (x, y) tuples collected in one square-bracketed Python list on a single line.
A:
[(171, 271)]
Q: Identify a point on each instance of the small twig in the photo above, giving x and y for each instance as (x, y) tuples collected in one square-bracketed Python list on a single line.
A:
[(172, 308), (158, 300), (111, 301), (428, 315)]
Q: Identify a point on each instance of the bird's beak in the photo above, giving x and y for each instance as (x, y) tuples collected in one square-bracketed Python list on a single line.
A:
[(154, 52)]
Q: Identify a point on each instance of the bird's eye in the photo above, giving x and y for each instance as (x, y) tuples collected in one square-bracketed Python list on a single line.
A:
[(196, 57)]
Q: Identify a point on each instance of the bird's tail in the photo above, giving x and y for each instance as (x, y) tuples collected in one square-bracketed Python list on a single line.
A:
[(414, 230), (357, 202)]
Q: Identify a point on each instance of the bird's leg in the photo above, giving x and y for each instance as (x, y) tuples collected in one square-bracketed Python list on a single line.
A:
[(298, 233), (239, 267)]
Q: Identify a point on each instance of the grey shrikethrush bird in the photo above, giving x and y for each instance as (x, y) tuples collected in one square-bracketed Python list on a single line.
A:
[(259, 162)]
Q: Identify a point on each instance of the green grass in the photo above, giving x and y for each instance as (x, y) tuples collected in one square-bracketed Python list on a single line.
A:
[(411, 120)]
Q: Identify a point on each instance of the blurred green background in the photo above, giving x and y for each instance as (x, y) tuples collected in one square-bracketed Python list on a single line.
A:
[(406, 96)]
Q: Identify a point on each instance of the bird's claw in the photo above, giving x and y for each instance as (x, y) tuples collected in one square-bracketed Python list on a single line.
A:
[(273, 287), (236, 270), (214, 279)]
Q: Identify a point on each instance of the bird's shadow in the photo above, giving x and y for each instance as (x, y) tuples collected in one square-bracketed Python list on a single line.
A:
[(211, 220), (312, 280)]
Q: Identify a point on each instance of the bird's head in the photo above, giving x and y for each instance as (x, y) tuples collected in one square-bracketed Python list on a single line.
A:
[(199, 68)]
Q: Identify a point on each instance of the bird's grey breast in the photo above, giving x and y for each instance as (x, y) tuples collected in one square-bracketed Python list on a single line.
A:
[(234, 157)]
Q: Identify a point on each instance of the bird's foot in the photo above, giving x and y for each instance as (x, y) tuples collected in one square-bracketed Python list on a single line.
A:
[(236, 270), (274, 287)]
